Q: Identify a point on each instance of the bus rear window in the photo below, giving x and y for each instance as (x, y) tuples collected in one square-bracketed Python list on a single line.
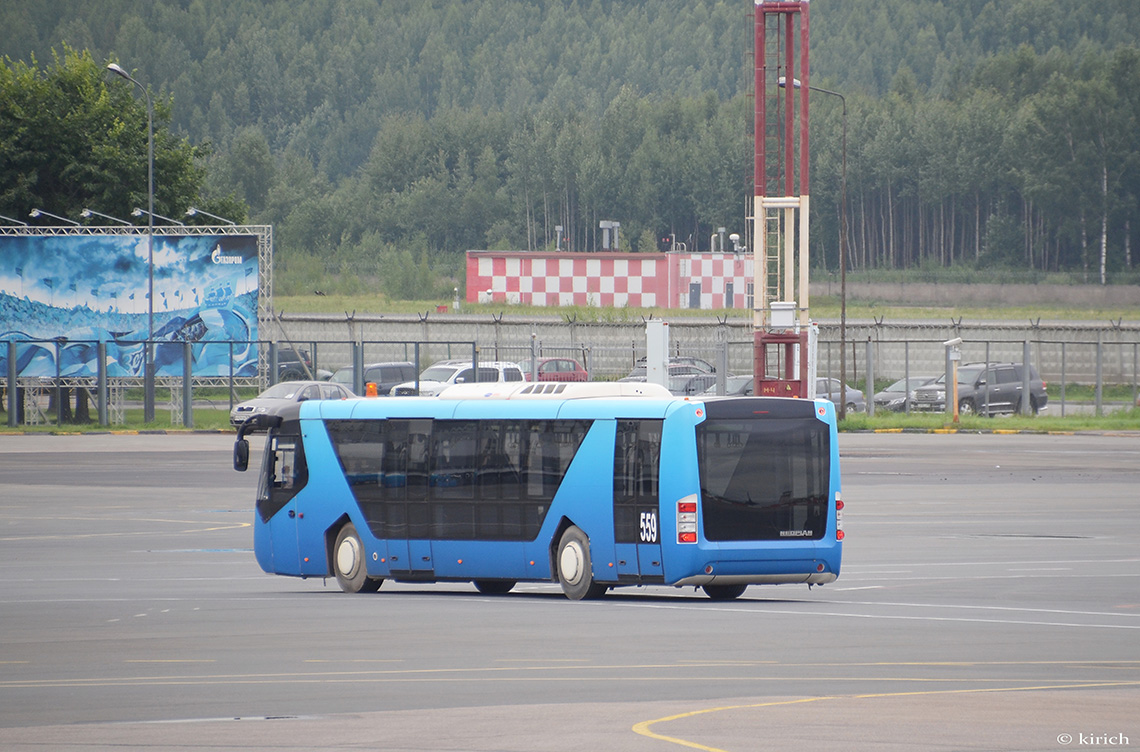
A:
[(764, 478)]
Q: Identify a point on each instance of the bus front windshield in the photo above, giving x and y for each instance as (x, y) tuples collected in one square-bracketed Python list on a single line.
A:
[(764, 478)]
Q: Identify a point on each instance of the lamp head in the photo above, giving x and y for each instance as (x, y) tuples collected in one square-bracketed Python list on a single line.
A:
[(35, 213), (136, 212)]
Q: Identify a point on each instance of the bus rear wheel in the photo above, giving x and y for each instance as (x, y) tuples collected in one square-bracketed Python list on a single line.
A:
[(575, 572), (494, 587), (348, 563), (724, 592)]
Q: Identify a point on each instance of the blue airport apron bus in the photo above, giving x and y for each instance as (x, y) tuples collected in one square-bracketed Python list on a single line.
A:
[(589, 485)]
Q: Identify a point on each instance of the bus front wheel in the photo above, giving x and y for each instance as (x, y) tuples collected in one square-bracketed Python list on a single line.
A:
[(348, 563), (575, 572), (724, 592)]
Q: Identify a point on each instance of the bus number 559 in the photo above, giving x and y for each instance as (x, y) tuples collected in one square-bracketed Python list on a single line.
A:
[(649, 527)]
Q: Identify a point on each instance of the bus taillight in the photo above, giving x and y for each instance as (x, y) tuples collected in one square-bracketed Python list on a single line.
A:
[(838, 517), (687, 520)]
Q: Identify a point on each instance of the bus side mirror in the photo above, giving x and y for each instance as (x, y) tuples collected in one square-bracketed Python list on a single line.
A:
[(241, 455)]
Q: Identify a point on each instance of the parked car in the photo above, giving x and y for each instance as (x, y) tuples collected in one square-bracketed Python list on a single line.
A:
[(674, 373), (287, 393), (447, 372), (894, 397), (555, 369), (690, 385), (383, 375), (696, 365), (830, 389), (734, 386), (985, 389), (296, 364)]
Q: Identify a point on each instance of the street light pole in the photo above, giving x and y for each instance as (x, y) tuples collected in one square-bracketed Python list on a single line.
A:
[(843, 269), (842, 251), (148, 377)]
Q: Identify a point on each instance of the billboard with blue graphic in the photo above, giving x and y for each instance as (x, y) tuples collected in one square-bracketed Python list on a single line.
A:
[(62, 295)]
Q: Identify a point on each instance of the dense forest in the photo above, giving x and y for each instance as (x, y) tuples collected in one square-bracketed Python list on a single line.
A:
[(382, 138)]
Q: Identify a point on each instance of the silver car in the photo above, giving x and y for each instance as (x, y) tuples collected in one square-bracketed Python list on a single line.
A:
[(894, 397), (734, 386), (287, 393), (831, 388)]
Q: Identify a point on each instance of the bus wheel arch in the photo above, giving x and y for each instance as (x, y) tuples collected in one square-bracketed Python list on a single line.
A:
[(574, 566), (348, 560), (494, 587), (724, 592)]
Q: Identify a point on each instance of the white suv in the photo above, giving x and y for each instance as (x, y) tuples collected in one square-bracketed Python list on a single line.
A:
[(447, 372)]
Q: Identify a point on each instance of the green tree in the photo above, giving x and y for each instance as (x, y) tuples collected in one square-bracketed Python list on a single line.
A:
[(71, 138)]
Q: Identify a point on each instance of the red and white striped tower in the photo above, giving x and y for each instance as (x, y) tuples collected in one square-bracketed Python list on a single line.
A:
[(780, 234)]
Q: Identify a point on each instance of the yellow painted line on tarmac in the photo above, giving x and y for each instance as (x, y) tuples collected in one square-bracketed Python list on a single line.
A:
[(944, 430), (643, 729), (888, 430)]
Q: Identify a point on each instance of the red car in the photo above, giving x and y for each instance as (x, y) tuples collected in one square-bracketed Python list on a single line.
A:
[(555, 369)]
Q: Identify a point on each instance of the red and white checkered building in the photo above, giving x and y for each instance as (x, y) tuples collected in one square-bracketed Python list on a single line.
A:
[(634, 280)]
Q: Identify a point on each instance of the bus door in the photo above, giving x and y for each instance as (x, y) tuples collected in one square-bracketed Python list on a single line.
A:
[(637, 514), (283, 474), (407, 461)]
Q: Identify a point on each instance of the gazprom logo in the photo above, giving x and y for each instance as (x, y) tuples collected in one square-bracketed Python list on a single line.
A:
[(220, 258)]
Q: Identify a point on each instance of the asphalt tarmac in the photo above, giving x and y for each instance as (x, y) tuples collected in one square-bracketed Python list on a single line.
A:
[(989, 600)]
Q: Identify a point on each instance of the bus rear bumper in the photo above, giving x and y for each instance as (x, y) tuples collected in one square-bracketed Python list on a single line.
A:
[(791, 578), (814, 571)]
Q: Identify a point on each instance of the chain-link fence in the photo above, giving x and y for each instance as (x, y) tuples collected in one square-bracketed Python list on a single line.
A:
[(1086, 369)]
